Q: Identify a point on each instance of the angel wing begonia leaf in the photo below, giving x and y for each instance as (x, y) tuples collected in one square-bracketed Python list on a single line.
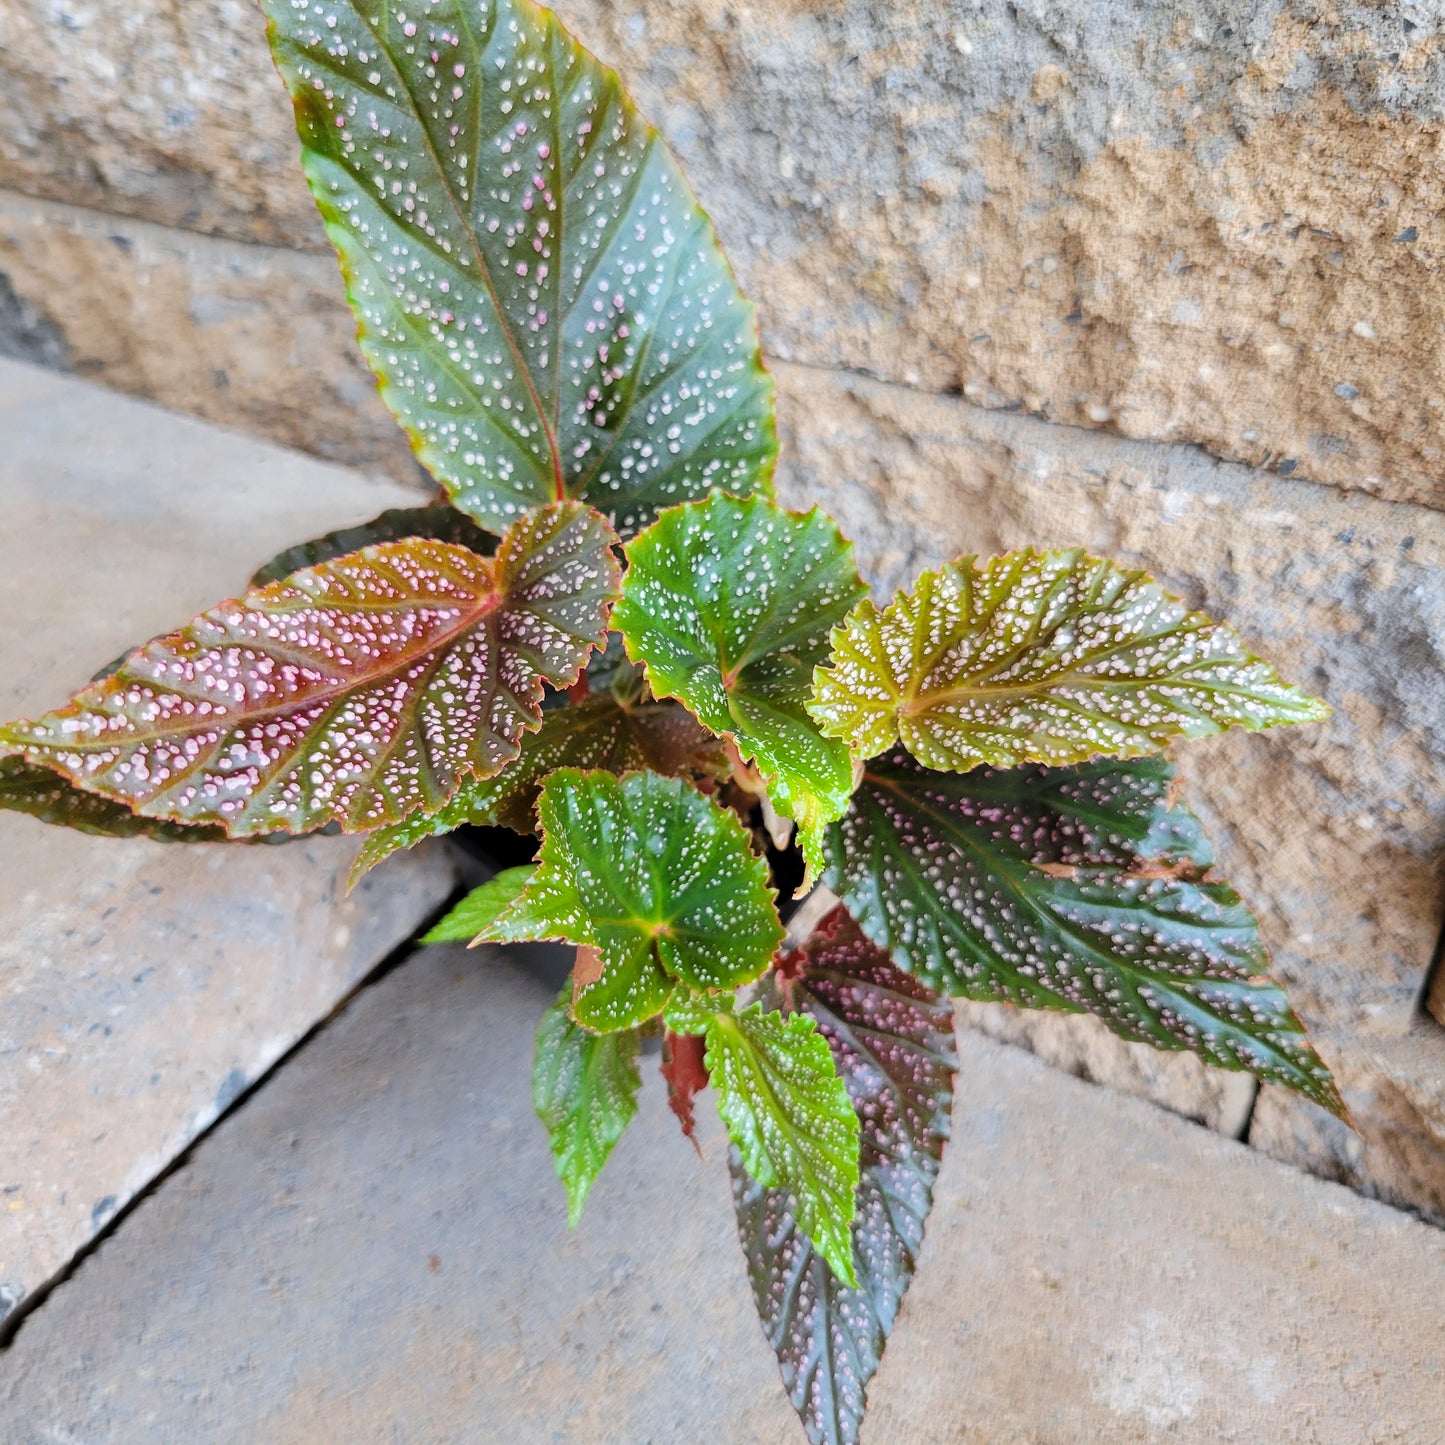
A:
[(584, 1088), (598, 732), (439, 521), (1052, 657), (51, 797), (481, 907), (660, 881), (728, 604), (542, 299), (357, 691), (1034, 886), (786, 1111), (892, 1041)]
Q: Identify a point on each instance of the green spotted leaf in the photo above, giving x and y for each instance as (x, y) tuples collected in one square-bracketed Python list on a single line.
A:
[(728, 604), (1037, 887), (786, 1110), (1051, 657), (659, 881), (481, 907), (892, 1041), (358, 691), (439, 521), (598, 732), (584, 1088), (542, 299), (52, 798)]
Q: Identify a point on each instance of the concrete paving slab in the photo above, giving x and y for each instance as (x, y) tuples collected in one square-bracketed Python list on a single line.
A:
[(144, 985), (374, 1248)]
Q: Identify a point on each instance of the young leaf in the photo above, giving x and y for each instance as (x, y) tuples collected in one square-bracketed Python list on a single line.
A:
[(660, 881), (728, 605), (786, 1109), (438, 521), (1051, 657), (610, 670), (892, 1040), (598, 732), (1031, 887), (52, 798), (481, 907), (540, 295), (360, 691), (584, 1088), (684, 1068)]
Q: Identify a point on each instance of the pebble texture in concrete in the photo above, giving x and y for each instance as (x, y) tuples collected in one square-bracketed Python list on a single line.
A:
[(374, 1249), (144, 985)]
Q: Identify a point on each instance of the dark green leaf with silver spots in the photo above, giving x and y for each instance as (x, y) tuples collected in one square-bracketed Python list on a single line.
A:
[(892, 1040), (1028, 886), (535, 285)]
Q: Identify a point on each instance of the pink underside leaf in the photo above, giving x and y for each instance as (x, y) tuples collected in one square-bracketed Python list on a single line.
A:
[(357, 691)]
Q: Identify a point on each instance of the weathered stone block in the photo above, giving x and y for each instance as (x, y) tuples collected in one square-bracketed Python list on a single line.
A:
[(1396, 1092), (375, 1248), (163, 112), (144, 985), (1084, 1047), (252, 337), (1218, 223)]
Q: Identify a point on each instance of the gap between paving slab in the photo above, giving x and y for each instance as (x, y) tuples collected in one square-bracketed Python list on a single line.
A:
[(144, 986), (233, 1095), (374, 1248)]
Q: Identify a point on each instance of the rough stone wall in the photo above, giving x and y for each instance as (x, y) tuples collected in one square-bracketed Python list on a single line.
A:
[(1165, 279), (1215, 222)]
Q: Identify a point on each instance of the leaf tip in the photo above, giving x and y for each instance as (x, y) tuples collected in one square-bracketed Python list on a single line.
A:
[(361, 865)]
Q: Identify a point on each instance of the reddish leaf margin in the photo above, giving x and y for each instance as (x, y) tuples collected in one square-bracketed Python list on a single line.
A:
[(358, 691), (684, 1067)]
